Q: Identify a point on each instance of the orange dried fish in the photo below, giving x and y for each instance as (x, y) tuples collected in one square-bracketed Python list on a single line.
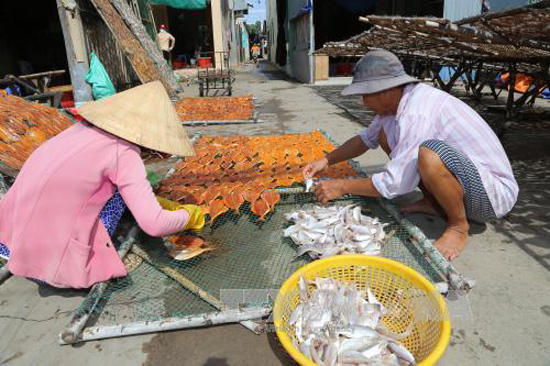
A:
[(239, 165), (185, 247), (211, 194), (192, 197), (24, 126), (217, 208), (260, 208), (253, 193), (185, 240), (234, 200), (285, 181), (271, 198), (216, 109), (205, 209)]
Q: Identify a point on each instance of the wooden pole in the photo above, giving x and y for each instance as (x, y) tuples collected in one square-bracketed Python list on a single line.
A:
[(75, 46), (143, 327), (510, 110)]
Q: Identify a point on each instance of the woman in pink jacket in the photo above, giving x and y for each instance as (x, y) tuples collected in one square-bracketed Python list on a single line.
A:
[(50, 221)]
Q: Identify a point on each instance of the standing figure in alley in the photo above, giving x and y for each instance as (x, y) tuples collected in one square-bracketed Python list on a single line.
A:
[(435, 142), (166, 42), (57, 220)]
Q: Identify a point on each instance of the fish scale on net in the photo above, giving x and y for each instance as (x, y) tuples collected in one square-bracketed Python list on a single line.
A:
[(334, 325), (327, 231)]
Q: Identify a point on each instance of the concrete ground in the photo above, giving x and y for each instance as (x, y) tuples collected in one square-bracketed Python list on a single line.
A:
[(505, 320)]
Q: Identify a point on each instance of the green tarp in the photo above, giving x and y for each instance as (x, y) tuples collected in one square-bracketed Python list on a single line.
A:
[(99, 79), (181, 4)]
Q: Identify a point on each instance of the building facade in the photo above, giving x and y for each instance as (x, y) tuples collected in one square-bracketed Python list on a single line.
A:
[(296, 28)]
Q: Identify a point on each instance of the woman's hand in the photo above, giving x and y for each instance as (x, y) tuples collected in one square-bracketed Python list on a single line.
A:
[(196, 217), (330, 190), (315, 167)]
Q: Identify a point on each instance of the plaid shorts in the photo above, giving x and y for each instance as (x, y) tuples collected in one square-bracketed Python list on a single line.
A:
[(476, 202), (110, 216)]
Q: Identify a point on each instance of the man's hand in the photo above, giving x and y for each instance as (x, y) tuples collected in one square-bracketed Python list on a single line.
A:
[(330, 190), (315, 167)]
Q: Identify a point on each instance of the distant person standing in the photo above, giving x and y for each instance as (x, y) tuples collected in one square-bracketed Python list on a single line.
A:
[(166, 42), (255, 52)]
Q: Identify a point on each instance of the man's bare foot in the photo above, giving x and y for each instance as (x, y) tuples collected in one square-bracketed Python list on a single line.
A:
[(452, 242), (421, 206)]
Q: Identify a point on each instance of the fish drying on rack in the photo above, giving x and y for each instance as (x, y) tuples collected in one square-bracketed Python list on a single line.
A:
[(327, 231)]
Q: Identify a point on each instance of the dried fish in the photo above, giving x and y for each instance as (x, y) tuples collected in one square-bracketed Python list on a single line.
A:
[(185, 240), (271, 198), (309, 184), (234, 199), (209, 195), (222, 163), (215, 108), (217, 208), (260, 208), (253, 193), (24, 126), (326, 328), (185, 247), (327, 231)]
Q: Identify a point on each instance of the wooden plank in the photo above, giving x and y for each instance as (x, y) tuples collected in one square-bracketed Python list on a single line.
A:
[(143, 65), (71, 24), (321, 67)]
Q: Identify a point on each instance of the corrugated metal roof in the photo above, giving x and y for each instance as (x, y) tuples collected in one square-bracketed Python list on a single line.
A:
[(459, 9)]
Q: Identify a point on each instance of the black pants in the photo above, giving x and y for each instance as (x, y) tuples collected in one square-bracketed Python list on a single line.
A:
[(166, 55)]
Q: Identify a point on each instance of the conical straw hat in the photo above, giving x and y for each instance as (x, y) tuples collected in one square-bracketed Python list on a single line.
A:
[(143, 115)]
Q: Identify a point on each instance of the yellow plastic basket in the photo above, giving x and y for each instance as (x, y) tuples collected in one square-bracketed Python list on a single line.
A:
[(408, 296)]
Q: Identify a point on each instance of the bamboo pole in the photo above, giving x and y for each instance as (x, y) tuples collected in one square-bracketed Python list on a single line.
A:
[(194, 288), (74, 330), (143, 327), (456, 280), (4, 273)]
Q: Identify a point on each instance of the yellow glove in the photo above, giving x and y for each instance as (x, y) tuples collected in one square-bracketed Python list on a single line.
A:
[(196, 217), (167, 204)]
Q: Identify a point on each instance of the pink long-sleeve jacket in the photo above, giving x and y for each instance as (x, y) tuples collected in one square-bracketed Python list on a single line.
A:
[(49, 219)]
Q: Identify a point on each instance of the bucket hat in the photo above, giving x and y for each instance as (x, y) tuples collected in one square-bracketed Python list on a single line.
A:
[(377, 71)]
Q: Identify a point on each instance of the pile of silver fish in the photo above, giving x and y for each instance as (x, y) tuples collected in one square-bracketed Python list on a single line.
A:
[(327, 231), (337, 325)]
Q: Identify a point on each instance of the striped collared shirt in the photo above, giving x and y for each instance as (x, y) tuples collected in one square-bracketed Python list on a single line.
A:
[(426, 113)]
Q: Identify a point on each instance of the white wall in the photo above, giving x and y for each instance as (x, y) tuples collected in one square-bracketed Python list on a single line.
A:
[(271, 17)]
